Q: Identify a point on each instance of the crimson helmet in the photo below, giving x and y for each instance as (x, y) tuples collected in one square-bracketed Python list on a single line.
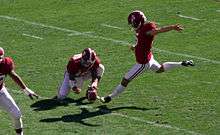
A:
[(136, 19), (88, 57), (1, 54)]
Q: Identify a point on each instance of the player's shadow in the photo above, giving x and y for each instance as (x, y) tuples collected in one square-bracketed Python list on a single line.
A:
[(48, 104), (85, 114)]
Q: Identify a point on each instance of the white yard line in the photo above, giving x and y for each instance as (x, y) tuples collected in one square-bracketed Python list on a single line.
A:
[(32, 36), (188, 17), (105, 38), (76, 34), (156, 124), (217, 10), (110, 26)]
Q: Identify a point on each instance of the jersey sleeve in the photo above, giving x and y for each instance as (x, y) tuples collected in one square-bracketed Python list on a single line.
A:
[(9, 64), (153, 25), (97, 62), (71, 66)]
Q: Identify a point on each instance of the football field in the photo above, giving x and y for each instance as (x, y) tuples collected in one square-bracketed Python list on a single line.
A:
[(41, 36)]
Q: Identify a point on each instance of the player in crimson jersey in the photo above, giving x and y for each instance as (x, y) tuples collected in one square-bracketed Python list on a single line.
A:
[(6, 101), (81, 67), (145, 33)]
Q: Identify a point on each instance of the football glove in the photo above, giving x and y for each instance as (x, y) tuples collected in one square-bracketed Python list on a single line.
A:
[(30, 93)]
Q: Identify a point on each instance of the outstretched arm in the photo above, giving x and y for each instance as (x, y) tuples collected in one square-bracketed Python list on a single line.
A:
[(176, 27), (19, 81)]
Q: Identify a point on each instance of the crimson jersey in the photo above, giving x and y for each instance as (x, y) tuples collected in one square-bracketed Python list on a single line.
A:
[(74, 67), (6, 66), (144, 43)]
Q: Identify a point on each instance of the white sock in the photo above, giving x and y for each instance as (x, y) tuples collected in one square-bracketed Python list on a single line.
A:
[(20, 133), (170, 65), (119, 89)]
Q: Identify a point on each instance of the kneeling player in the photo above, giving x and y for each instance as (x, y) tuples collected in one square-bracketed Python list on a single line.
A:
[(81, 67)]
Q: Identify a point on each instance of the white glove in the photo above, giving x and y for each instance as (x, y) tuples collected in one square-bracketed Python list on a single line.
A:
[(30, 93)]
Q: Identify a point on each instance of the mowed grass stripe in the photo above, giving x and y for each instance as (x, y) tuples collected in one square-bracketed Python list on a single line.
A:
[(105, 38)]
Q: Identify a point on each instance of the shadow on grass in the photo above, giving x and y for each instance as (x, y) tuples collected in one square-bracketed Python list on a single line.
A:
[(48, 104), (85, 114)]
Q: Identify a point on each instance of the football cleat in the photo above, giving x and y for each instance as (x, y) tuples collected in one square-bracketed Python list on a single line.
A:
[(188, 63), (106, 99)]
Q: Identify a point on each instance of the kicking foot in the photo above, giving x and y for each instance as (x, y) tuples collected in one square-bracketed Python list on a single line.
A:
[(188, 63), (106, 99)]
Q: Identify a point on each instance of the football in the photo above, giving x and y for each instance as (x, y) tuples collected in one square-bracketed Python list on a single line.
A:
[(91, 95)]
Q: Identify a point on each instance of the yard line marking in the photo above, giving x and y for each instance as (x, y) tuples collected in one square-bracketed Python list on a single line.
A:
[(156, 124), (32, 36), (189, 17), (217, 10), (110, 26), (76, 34), (105, 38)]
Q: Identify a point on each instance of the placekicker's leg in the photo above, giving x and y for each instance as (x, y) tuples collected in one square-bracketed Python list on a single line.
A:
[(170, 65), (135, 71)]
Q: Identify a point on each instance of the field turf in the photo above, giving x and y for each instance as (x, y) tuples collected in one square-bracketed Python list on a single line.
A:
[(41, 35)]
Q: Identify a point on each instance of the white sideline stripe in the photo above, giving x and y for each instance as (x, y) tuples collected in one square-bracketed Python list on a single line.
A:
[(189, 17), (110, 26), (105, 38), (156, 124), (128, 117), (32, 36), (217, 10)]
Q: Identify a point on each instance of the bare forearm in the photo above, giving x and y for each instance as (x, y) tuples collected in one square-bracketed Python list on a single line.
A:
[(17, 80), (165, 29), (176, 27)]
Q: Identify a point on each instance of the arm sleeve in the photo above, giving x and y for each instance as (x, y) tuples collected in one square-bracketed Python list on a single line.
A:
[(71, 69)]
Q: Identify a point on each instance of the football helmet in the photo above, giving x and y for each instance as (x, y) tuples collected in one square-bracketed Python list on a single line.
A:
[(136, 19), (2, 52), (88, 57)]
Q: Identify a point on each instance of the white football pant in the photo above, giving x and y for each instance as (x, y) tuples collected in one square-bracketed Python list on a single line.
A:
[(8, 104), (138, 69), (65, 87)]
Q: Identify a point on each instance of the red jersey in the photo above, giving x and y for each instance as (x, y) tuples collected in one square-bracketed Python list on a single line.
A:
[(6, 66), (75, 68), (144, 43)]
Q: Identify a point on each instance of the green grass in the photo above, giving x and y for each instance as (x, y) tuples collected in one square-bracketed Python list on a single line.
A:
[(185, 99)]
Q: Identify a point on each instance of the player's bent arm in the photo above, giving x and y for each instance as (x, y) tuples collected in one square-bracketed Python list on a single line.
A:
[(17, 79), (156, 31), (94, 82)]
